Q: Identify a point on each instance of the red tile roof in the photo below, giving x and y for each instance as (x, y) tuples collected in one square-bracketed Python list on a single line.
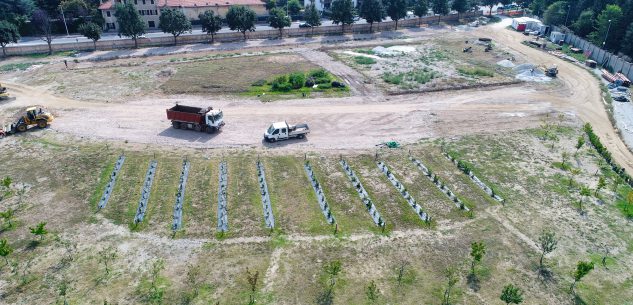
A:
[(107, 5)]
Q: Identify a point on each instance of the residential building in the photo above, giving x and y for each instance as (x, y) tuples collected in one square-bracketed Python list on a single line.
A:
[(150, 9), (324, 5)]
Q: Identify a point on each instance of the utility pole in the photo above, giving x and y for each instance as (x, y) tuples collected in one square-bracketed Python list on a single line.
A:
[(568, 10)]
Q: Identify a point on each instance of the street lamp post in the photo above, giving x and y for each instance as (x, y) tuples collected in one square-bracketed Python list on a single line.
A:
[(61, 8), (607, 35), (567, 18)]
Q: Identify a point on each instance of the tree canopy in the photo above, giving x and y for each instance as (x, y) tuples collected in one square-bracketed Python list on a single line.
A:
[(421, 8), (210, 23), (556, 13), (372, 11), (91, 31), (241, 18), (342, 12), (8, 34), (130, 22), (396, 10), (511, 294), (609, 19), (294, 7), (278, 20), (175, 22), (311, 15)]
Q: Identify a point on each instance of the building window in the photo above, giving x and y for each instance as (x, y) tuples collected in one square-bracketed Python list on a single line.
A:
[(143, 2), (155, 12), (110, 26), (151, 1), (135, 2), (142, 12), (151, 24), (108, 14)]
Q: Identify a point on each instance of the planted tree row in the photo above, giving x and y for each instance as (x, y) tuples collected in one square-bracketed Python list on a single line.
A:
[(110, 186), (466, 169), (223, 220), (325, 208), (180, 196), (604, 152), (145, 192), (439, 184), (371, 208), (403, 191), (269, 219)]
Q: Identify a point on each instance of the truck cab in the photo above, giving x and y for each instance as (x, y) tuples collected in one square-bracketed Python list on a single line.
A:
[(282, 131), (214, 119)]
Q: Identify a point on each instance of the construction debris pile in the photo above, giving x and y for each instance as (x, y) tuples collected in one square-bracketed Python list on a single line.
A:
[(530, 73)]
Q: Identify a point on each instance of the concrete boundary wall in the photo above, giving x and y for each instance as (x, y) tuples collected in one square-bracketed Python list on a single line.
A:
[(232, 36), (601, 56)]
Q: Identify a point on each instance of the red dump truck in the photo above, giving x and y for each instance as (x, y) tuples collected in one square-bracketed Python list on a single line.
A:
[(196, 118)]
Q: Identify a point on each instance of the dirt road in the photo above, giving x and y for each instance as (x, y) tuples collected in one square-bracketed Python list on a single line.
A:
[(357, 122)]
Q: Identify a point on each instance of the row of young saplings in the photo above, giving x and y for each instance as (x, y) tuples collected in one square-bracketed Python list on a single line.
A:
[(269, 219), (438, 183), (462, 166)]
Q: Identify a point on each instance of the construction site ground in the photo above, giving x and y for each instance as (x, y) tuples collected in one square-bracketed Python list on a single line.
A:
[(112, 102)]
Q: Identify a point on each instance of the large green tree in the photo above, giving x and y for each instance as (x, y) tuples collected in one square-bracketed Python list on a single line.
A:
[(627, 42), (582, 269), (584, 24), (440, 7), (278, 20), (130, 22), (608, 33), (342, 12), (396, 10), (372, 11), (241, 18), (556, 13), (461, 6), (91, 31), (294, 7), (8, 34), (210, 23), (16, 11), (174, 22), (311, 15), (420, 9)]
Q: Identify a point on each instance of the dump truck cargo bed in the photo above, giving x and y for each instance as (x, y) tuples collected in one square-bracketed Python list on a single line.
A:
[(187, 114)]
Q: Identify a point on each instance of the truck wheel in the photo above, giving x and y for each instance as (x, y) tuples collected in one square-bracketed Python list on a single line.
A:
[(176, 125), (183, 126), (197, 128), (41, 124), (211, 129), (301, 136), (272, 140), (21, 128)]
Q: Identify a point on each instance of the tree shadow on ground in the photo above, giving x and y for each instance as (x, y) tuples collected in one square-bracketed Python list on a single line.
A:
[(546, 275), (473, 282)]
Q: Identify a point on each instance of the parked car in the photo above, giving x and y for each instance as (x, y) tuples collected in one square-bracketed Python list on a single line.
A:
[(305, 25)]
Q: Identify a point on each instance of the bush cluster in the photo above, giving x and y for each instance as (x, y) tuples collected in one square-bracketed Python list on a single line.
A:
[(298, 80)]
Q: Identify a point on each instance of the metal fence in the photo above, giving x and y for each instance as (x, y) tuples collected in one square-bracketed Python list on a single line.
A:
[(602, 57), (233, 36)]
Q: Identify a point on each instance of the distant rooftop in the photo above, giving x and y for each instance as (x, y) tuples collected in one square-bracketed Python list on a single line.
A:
[(190, 3)]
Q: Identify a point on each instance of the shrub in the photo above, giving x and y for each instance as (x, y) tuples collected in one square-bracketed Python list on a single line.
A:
[(325, 86), (319, 73), (475, 72), (363, 60), (280, 83), (391, 78), (297, 79), (260, 82)]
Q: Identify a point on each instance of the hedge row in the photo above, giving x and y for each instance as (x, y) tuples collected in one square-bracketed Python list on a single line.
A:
[(604, 152)]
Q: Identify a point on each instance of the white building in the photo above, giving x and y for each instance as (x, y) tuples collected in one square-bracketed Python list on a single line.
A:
[(322, 5)]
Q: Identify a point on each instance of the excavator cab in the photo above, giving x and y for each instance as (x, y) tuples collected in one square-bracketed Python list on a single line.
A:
[(4, 94)]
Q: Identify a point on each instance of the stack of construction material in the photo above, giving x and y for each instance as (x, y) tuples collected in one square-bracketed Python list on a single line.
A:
[(180, 196), (362, 193), (625, 80), (403, 191), (223, 219), (147, 188), (608, 76), (110, 186), (325, 208), (269, 219)]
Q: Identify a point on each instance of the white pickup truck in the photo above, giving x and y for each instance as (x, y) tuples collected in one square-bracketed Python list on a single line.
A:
[(282, 131)]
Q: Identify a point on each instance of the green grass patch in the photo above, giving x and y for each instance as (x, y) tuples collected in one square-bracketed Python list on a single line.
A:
[(421, 77), (364, 60), (476, 71), (298, 84), (578, 56), (18, 66)]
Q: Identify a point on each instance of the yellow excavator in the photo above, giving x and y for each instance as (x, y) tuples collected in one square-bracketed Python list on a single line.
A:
[(33, 116), (4, 94)]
